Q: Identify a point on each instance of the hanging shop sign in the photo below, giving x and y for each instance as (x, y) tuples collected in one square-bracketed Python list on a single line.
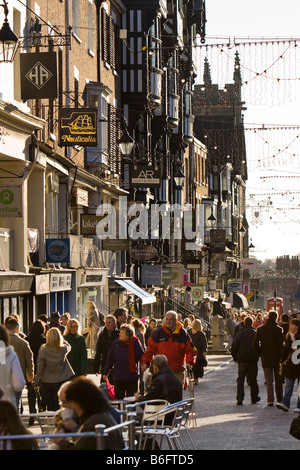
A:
[(57, 250), (177, 275), (217, 240), (82, 197), (38, 75), (11, 201), (88, 224), (78, 126), (117, 244), (151, 275), (143, 252), (145, 176), (197, 293), (234, 285), (248, 263), (166, 276)]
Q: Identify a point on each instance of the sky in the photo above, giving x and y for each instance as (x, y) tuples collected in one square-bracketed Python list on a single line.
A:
[(273, 156)]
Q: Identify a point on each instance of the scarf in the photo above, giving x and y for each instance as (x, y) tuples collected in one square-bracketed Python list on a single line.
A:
[(131, 356)]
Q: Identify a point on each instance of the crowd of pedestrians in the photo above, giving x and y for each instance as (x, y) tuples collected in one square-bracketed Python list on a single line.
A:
[(52, 362), (274, 340), (140, 358)]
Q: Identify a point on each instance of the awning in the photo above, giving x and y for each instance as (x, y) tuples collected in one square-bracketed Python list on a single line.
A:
[(136, 290), (239, 300)]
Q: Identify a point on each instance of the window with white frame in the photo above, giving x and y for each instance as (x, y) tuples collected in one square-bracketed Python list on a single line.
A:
[(75, 11), (90, 20)]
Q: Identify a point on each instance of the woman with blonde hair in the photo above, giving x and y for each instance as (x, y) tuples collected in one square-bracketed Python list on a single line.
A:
[(53, 367), (95, 320), (78, 354), (199, 341)]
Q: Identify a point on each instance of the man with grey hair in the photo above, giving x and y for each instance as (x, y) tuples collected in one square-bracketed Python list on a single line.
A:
[(165, 384), (172, 340)]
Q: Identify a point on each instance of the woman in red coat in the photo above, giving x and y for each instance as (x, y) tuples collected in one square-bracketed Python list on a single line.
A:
[(123, 357)]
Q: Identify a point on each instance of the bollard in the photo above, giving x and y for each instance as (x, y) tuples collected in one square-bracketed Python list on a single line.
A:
[(217, 333), (100, 434), (131, 430)]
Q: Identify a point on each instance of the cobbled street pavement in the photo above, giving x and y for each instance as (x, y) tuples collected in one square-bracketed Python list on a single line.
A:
[(222, 425)]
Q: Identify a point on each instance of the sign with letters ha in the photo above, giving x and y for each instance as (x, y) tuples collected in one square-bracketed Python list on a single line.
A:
[(38, 75)]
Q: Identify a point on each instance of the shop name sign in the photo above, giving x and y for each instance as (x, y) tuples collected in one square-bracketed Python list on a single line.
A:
[(38, 75), (88, 224), (78, 126), (57, 250), (143, 176), (218, 239), (143, 252), (234, 285), (11, 201)]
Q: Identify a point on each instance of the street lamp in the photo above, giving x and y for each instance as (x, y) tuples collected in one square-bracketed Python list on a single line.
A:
[(179, 177), (8, 40), (126, 144), (212, 218)]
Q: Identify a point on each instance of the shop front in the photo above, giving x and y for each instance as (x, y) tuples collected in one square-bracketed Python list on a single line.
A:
[(42, 295), (16, 296), (91, 286), (62, 292)]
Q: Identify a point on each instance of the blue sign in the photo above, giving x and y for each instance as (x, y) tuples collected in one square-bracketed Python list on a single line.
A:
[(151, 274), (57, 250)]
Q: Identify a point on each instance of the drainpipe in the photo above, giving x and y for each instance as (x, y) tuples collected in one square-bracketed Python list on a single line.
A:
[(98, 6), (67, 24), (68, 91)]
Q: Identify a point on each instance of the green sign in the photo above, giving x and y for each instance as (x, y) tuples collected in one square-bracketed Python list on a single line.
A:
[(11, 201)]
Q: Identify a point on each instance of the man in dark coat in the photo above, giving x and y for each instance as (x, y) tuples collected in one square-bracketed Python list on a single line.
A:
[(268, 342), (56, 323), (218, 308), (246, 356), (105, 339), (165, 384)]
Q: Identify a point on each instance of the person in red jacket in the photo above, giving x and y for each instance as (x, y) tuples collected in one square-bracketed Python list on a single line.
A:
[(173, 341)]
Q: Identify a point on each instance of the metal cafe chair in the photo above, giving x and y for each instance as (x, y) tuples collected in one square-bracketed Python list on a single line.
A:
[(44, 419), (144, 411), (163, 424), (188, 410), (147, 408)]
